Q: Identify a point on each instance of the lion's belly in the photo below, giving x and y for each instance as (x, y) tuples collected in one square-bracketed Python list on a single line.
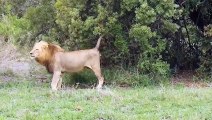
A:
[(72, 65), (72, 68)]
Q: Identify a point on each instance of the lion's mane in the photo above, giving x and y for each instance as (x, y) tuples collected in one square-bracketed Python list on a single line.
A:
[(47, 56)]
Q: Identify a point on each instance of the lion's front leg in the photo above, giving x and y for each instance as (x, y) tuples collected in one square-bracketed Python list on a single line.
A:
[(55, 79), (59, 84)]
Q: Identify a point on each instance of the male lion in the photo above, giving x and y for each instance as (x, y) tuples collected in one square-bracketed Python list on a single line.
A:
[(57, 61)]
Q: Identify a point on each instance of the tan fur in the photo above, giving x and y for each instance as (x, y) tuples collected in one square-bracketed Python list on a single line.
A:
[(57, 61)]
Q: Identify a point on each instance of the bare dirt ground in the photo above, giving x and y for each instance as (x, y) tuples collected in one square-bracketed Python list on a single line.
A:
[(16, 63), (189, 79)]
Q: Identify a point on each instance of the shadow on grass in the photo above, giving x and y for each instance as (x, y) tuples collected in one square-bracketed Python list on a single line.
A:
[(87, 80), (114, 77)]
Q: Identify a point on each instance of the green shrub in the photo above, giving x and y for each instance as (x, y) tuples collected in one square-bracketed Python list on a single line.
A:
[(13, 27), (149, 35)]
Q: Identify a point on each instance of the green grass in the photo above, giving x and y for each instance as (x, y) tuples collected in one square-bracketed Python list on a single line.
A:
[(28, 100), (117, 77)]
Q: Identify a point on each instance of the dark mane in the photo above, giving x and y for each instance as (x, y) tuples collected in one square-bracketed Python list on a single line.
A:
[(54, 48)]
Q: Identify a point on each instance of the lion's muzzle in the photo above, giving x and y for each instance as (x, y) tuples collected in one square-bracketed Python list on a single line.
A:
[(32, 55)]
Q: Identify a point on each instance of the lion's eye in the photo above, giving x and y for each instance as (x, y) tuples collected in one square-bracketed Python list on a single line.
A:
[(36, 49)]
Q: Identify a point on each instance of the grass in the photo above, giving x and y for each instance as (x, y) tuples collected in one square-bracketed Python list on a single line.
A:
[(8, 73), (29, 100), (117, 77)]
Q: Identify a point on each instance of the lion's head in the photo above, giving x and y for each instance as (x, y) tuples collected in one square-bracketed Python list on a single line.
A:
[(42, 52)]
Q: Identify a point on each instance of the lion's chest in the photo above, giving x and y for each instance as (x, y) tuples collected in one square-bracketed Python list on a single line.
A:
[(50, 68)]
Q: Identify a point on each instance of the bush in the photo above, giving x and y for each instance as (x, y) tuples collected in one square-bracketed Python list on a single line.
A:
[(151, 35), (14, 28)]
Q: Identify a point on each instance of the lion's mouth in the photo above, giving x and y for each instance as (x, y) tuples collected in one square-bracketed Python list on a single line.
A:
[(32, 56)]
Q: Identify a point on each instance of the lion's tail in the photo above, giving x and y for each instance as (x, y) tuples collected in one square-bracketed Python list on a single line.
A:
[(98, 42)]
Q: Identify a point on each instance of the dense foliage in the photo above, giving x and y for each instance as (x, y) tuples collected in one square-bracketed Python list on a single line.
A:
[(153, 36)]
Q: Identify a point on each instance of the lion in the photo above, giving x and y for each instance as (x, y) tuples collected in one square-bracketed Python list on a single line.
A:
[(57, 61)]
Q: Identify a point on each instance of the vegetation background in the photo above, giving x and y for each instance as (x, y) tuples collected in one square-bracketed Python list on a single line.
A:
[(146, 43), (148, 37)]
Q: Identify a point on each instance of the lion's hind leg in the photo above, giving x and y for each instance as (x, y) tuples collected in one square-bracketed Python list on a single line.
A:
[(97, 71)]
